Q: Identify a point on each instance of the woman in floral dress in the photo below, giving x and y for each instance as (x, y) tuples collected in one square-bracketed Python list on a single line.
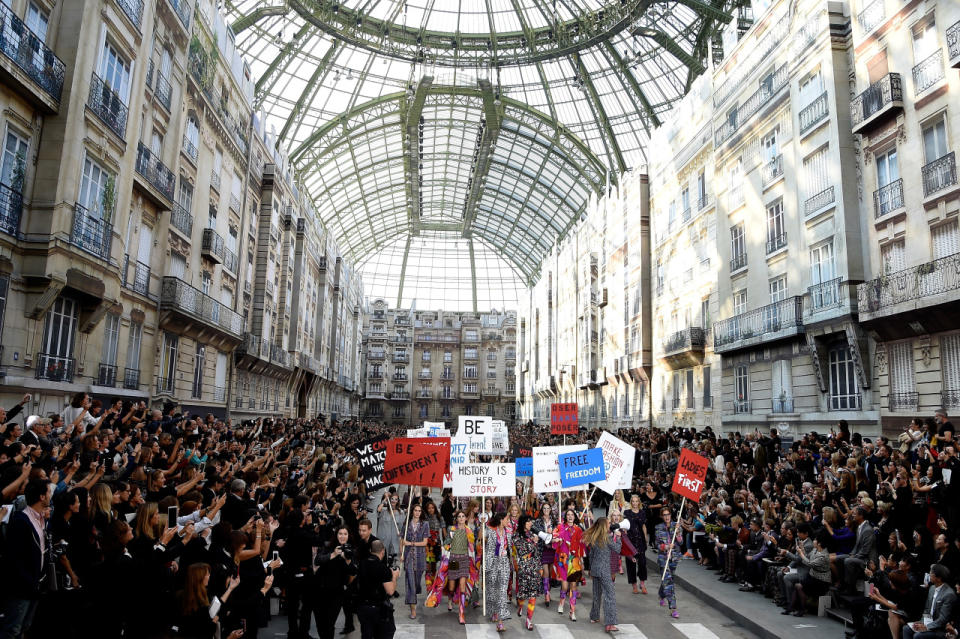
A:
[(497, 568), (432, 517), (510, 524), (568, 560), (528, 548), (415, 544), (458, 572), (545, 524)]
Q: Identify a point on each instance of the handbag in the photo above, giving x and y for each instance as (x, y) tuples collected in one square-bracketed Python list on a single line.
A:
[(627, 549), (454, 564)]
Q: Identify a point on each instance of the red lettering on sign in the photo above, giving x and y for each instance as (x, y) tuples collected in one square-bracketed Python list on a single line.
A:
[(691, 475)]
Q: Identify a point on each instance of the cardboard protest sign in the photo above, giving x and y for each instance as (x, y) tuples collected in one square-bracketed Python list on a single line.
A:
[(519, 450), (417, 461), (546, 469), (524, 466), (438, 432), (479, 430), (564, 419), (429, 425), (580, 468), (618, 457), (459, 455), (501, 438), (372, 454), (691, 475), (484, 480), (418, 432)]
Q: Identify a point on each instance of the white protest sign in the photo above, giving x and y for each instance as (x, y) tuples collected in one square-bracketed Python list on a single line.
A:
[(417, 432), (546, 469), (501, 439), (459, 455), (436, 429), (479, 430), (429, 425), (484, 480), (618, 459)]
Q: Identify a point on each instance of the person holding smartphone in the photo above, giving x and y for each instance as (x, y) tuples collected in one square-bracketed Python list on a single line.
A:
[(334, 569)]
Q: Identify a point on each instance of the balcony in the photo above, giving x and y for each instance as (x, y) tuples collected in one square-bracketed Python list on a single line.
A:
[(182, 9), (871, 16), (819, 201), (911, 289), (55, 368), (399, 358), (939, 174), (468, 337), (813, 113), (874, 106), (212, 246), (107, 375), (230, 261), (470, 393), (34, 64), (11, 210), (220, 394), (685, 347), (783, 405), (448, 376), (131, 378), (703, 201), (776, 243), (888, 198), (376, 355), (215, 181), (844, 402), (190, 150), (375, 374), (374, 393), (157, 176), (772, 170), (928, 73), (903, 402), (399, 395), (738, 262), (826, 295), (471, 375), (950, 398), (91, 233), (139, 282), (133, 9), (401, 339), (447, 395), (181, 219), (769, 87), (742, 407), (400, 377), (107, 105), (235, 203), (178, 297), (490, 393), (953, 44), (163, 92), (164, 386), (425, 375), (424, 394), (470, 355), (772, 322)]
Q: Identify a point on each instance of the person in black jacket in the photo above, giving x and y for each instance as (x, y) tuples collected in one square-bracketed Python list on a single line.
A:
[(24, 570), (297, 558), (334, 569), (6, 416)]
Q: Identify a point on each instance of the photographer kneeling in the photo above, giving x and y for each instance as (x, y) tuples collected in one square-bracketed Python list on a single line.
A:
[(377, 583)]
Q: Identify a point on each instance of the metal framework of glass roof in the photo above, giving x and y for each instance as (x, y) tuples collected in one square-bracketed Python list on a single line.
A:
[(470, 130)]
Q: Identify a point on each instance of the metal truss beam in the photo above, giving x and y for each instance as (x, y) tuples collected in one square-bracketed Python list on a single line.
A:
[(482, 158), (319, 75), (613, 149), (257, 15), (627, 75), (411, 143), (273, 71)]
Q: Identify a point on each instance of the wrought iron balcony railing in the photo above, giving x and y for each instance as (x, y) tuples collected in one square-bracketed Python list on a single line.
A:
[(11, 210), (742, 406), (156, 172), (91, 233), (877, 97), (769, 87), (133, 10), (953, 43), (190, 149), (826, 294), (950, 398), (819, 201), (107, 375), (928, 72), (212, 245), (761, 322), (776, 243), (234, 203), (140, 281), (900, 402), (164, 385), (813, 113), (783, 405), (181, 219), (176, 295), (888, 198), (931, 278), (182, 9), (939, 174), (55, 368), (738, 262), (847, 401), (772, 170), (215, 181), (131, 378), (684, 340), (871, 16), (163, 91), (29, 53), (107, 105)]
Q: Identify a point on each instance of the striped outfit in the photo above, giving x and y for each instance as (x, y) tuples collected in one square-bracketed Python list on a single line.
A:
[(497, 565), (603, 592)]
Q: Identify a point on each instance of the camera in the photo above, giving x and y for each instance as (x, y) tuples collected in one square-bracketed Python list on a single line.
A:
[(392, 560), (348, 551)]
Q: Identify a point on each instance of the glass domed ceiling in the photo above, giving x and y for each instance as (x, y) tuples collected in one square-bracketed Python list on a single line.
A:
[(482, 125)]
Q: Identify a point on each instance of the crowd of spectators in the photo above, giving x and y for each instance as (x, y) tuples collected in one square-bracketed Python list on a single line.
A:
[(120, 520)]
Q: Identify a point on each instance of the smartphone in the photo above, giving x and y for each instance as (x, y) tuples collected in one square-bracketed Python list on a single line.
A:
[(276, 555), (171, 516)]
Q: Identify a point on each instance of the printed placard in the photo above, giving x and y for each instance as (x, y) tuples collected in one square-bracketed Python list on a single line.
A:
[(618, 458), (546, 469), (691, 475), (524, 466), (479, 430), (580, 468), (564, 419), (501, 438), (484, 480)]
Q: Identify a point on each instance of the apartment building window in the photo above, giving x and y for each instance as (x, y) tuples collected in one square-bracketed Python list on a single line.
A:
[(469, 371), (844, 390), (93, 183), (781, 375), (220, 378), (742, 388), (701, 189), (37, 20), (740, 301), (134, 338), (400, 371), (770, 144), (491, 373), (738, 247), (472, 335), (111, 341), (677, 382), (689, 386), (423, 411), (60, 328), (217, 163), (776, 235), (14, 161), (705, 313), (950, 367), (397, 390), (193, 133), (925, 41), (811, 88), (902, 382), (935, 140), (168, 361), (232, 243), (398, 411), (660, 275), (492, 356), (672, 215), (425, 356), (893, 257), (198, 365), (469, 388), (205, 282), (822, 263), (470, 353), (114, 70), (778, 289), (816, 176), (4, 283), (447, 372), (445, 410), (889, 198), (185, 195), (685, 202), (945, 240), (707, 388), (178, 265)]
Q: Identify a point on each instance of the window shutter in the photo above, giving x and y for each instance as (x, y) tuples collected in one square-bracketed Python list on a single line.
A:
[(900, 355), (950, 361), (945, 240)]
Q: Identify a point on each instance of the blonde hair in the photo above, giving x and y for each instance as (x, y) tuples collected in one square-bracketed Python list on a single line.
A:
[(142, 526), (597, 535), (101, 500)]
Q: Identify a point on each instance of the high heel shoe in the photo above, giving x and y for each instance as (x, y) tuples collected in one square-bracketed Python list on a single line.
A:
[(643, 588), (636, 590)]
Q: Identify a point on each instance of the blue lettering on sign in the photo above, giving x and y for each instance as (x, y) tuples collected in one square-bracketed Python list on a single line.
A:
[(581, 467), (524, 466)]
